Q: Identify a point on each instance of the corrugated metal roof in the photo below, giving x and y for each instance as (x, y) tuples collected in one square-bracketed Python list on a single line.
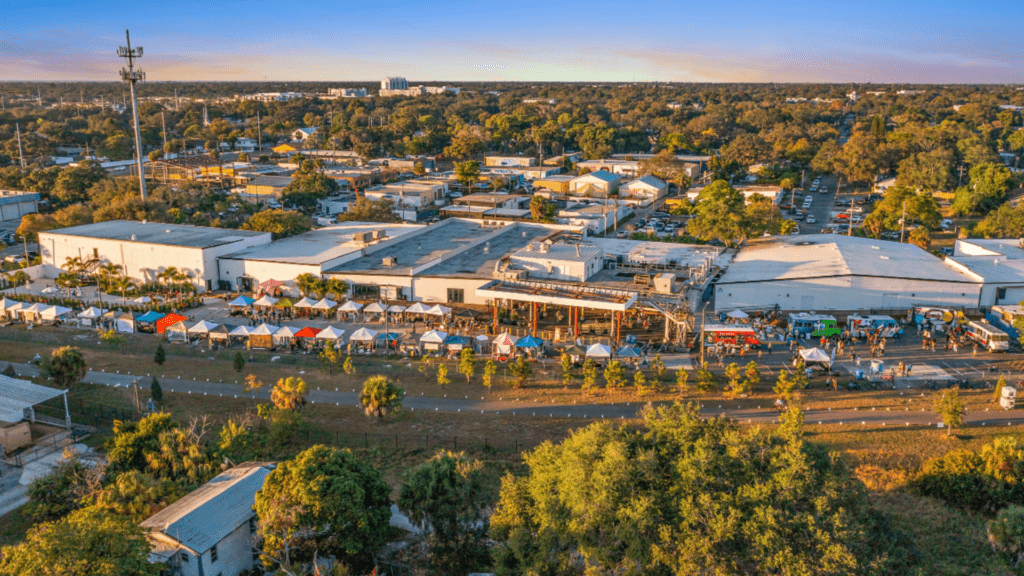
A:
[(211, 512), (603, 175), (17, 395)]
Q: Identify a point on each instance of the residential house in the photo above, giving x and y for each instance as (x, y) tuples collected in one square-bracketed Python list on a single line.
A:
[(212, 530), (595, 184), (644, 190), (303, 134)]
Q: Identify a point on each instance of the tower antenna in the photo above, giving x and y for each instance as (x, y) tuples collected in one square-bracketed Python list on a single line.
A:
[(130, 77)]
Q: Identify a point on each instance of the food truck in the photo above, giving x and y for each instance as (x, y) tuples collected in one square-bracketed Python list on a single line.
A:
[(813, 325), (992, 338), (885, 326), (733, 335)]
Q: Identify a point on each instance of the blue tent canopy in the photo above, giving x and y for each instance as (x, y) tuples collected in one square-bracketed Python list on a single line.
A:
[(392, 336), (456, 339), (151, 316), (241, 301), (628, 352), (529, 342)]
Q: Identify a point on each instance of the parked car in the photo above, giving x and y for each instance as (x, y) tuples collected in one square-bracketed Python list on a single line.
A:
[(946, 250), (811, 219), (946, 224)]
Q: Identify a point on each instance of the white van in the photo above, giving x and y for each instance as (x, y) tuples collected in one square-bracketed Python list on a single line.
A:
[(326, 221), (992, 338)]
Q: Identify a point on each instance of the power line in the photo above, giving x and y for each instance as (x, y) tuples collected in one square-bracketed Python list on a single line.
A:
[(131, 76)]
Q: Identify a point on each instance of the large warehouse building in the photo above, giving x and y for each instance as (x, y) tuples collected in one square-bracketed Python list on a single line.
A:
[(840, 273), (144, 249), (998, 265)]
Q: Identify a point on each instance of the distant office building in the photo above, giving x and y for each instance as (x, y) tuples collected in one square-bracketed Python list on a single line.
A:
[(394, 83), (348, 92)]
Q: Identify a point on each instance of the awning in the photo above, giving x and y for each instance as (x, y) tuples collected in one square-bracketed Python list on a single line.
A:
[(55, 311), (504, 340), (815, 355), (283, 303), (269, 285), (6, 303), (142, 300)]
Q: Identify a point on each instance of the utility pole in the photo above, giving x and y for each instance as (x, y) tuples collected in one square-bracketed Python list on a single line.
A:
[(259, 135), (164, 122), (21, 155), (39, 97), (903, 221), (131, 76), (702, 317)]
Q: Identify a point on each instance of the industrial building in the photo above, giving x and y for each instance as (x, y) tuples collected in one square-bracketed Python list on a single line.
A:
[(840, 273), (997, 265), (144, 249), (310, 253), (14, 205)]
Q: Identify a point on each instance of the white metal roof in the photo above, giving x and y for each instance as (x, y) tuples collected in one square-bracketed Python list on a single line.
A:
[(210, 513), (17, 395)]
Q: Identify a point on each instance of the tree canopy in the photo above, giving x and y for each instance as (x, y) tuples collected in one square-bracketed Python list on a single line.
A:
[(280, 223)]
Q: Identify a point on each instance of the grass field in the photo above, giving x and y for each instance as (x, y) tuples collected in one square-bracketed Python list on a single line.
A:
[(944, 539)]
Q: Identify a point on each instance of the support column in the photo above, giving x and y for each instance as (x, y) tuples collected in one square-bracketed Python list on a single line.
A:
[(67, 413), (495, 316), (576, 326), (533, 319), (668, 328), (617, 319)]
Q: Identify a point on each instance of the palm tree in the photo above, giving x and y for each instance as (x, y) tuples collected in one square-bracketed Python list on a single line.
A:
[(289, 393), (122, 283), (335, 287), (68, 280), (308, 283), (18, 278), (73, 265)]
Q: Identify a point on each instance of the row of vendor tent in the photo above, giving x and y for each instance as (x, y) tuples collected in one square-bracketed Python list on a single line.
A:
[(602, 351), (351, 306), (34, 312)]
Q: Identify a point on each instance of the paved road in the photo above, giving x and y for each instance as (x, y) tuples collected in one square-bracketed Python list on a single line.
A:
[(528, 408)]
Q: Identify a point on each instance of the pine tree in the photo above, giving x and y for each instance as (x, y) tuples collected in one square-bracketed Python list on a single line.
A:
[(442, 376), (614, 374), (566, 362), (589, 375), (239, 362), (161, 355), (490, 369), (682, 376), (467, 364), (155, 391)]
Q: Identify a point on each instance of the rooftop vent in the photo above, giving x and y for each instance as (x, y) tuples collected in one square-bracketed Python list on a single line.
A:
[(875, 248), (390, 261), (884, 257), (133, 237)]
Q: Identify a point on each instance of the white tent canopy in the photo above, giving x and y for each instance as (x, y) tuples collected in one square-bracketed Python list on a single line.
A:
[(363, 335), (304, 303), (738, 315), (417, 308), (324, 304), (434, 337), (177, 331), (91, 313), (438, 310), (375, 308), (396, 308), (351, 306), (263, 330), (284, 334), (815, 355), (599, 351), (240, 331), (266, 301), (54, 312), (49, 290), (143, 300), (330, 333), (202, 327), (6, 303)]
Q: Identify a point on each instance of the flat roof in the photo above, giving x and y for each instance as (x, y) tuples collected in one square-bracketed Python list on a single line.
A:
[(318, 246), (992, 268), (16, 395), (561, 252), (826, 255), (477, 263), (159, 233), (652, 252)]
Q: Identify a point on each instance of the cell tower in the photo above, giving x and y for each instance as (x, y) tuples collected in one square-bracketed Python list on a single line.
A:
[(131, 76)]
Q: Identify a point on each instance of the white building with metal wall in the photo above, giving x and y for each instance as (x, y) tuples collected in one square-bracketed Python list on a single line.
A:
[(997, 264), (840, 273)]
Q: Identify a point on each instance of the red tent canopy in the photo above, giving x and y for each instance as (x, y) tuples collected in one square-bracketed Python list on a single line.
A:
[(269, 285), (307, 332), (169, 320)]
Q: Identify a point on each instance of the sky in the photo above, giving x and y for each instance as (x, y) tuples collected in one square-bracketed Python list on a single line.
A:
[(901, 41)]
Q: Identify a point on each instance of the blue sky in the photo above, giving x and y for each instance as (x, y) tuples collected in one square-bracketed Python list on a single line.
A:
[(720, 41)]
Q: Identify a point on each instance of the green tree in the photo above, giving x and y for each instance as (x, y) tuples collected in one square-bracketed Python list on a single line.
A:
[(706, 381), (280, 223), (306, 189), (467, 363), (986, 190), (137, 496), (88, 542), (347, 366), (447, 494), (442, 376), (65, 366), (640, 384), (679, 494), (1006, 535), (161, 355), (542, 209), (753, 375), (467, 173), (155, 391), (682, 376), (1003, 222), (330, 357), (324, 501), (490, 369), (289, 393), (238, 363), (521, 371), (614, 374), (888, 212), (589, 375), (950, 407), (658, 372), (565, 362), (734, 376), (380, 396), (920, 237), (62, 490)]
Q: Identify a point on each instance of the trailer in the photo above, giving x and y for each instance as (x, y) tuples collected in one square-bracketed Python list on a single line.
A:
[(992, 338)]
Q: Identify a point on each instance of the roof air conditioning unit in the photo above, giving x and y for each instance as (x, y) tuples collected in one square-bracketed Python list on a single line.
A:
[(390, 261)]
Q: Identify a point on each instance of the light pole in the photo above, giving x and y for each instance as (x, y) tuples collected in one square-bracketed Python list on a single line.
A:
[(702, 317), (131, 76)]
